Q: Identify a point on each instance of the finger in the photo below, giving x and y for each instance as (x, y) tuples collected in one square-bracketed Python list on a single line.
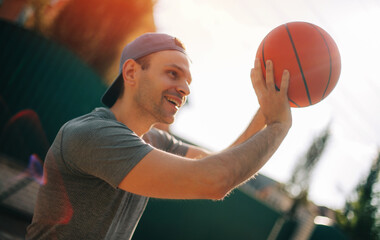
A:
[(257, 77), (258, 64), (255, 83), (269, 75), (285, 81)]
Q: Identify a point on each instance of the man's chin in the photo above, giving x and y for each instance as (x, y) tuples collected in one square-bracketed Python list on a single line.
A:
[(170, 121), (166, 120)]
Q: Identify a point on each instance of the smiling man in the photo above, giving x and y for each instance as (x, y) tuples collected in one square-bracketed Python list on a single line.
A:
[(103, 166)]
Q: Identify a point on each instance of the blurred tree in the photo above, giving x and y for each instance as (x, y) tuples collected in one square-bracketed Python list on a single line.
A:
[(360, 217), (298, 185), (39, 7), (96, 30)]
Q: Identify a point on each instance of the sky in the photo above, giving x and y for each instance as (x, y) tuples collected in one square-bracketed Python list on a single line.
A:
[(222, 37)]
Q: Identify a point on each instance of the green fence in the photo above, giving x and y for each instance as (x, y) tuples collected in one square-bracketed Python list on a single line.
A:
[(41, 75)]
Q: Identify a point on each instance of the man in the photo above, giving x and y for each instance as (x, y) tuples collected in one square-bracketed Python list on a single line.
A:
[(99, 172)]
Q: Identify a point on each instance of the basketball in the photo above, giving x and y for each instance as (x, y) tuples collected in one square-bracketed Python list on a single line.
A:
[(311, 56)]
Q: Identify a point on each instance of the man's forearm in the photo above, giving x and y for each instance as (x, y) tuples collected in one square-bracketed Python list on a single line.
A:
[(243, 161)]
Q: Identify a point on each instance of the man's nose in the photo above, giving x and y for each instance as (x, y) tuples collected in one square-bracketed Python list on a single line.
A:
[(183, 88)]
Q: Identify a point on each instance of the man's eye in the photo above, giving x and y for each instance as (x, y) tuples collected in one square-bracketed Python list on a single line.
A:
[(173, 74)]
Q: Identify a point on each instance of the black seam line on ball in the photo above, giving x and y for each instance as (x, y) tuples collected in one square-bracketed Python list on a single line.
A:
[(299, 63), (330, 60)]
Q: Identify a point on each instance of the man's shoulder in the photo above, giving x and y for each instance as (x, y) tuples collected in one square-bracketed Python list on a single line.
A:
[(96, 122), (97, 117)]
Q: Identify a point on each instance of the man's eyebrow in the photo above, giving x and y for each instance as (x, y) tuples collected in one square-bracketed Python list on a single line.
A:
[(182, 70)]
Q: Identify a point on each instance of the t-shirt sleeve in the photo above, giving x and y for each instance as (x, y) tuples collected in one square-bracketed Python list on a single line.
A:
[(166, 142), (102, 149)]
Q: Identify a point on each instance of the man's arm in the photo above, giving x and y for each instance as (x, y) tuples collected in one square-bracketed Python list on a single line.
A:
[(163, 175)]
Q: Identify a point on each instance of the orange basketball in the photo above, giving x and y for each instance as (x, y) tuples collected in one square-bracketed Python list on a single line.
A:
[(311, 56)]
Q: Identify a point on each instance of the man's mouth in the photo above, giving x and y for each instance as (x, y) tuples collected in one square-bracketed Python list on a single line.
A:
[(175, 101)]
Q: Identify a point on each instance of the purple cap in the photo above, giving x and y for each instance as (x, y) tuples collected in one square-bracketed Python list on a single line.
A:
[(142, 46)]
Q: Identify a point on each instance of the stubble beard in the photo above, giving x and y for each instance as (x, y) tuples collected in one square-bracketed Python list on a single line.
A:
[(151, 109)]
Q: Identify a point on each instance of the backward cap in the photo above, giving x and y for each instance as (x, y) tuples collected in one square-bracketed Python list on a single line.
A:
[(142, 46)]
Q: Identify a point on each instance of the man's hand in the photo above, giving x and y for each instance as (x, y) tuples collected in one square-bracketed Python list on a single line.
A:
[(274, 104)]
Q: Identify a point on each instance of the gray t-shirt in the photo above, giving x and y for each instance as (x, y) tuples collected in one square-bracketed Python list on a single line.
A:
[(88, 159)]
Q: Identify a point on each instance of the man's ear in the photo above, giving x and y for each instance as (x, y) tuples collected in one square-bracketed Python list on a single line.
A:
[(129, 72)]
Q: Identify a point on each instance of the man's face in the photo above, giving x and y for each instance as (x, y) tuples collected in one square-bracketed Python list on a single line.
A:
[(163, 87)]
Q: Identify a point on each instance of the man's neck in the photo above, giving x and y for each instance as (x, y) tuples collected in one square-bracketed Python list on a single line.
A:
[(129, 116)]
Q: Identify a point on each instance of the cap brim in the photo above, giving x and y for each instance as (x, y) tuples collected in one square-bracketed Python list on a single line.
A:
[(110, 96)]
